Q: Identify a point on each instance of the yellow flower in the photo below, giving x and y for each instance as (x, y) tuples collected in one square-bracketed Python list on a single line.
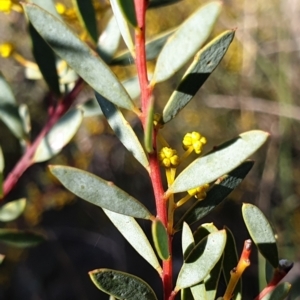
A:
[(199, 192), (5, 6), (6, 49), (60, 8), (195, 141), (168, 157)]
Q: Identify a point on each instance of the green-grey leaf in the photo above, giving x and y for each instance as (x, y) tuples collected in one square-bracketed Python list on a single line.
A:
[(186, 294), (160, 239), (136, 237), (132, 87), (99, 192), (199, 292), (148, 137), (261, 232), (6, 94), (25, 117), (205, 62), (9, 115), (128, 10), (201, 260), (203, 231), (45, 59), (221, 189), (12, 210), (86, 14), (122, 285), (91, 108), (47, 5), (186, 41), (59, 135), (123, 130), (230, 261), (79, 56), (212, 280), (187, 240), (109, 40), (279, 293), (221, 161), (20, 239), (153, 47), (123, 26)]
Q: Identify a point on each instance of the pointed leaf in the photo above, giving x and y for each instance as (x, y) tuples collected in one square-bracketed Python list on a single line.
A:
[(6, 94), (45, 59), (261, 233), (220, 190), (187, 240), (128, 9), (201, 260), (153, 47), (20, 239), (123, 26), (109, 40), (99, 192), (230, 261), (122, 285), (12, 210), (160, 239), (221, 161), (132, 87), (123, 130), (186, 41), (205, 62), (136, 237), (79, 56), (279, 293), (59, 135), (86, 14)]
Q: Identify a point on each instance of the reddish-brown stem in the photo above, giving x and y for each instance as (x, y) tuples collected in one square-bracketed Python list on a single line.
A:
[(277, 277), (26, 160), (155, 174)]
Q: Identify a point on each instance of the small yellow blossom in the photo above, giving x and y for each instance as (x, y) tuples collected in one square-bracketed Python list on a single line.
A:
[(199, 192), (5, 6), (195, 141), (60, 8), (168, 157), (6, 49)]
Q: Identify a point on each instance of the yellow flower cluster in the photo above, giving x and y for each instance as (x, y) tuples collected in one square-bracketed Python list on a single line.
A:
[(168, 157), (199, 192), (194, 140)]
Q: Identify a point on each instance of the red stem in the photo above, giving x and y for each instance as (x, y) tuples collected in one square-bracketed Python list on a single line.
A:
[(277, 277), (26, 160), (155, 174)]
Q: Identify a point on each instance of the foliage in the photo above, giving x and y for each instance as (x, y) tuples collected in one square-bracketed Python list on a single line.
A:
[(67, 63)]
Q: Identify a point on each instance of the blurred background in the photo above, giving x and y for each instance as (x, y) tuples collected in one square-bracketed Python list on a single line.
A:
[(256, 86)]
